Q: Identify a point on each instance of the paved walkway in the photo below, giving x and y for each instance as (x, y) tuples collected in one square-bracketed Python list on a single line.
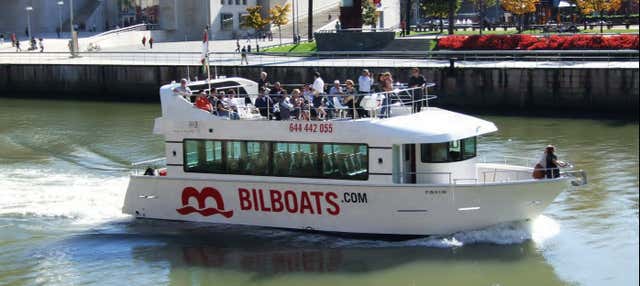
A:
[(233, 59)]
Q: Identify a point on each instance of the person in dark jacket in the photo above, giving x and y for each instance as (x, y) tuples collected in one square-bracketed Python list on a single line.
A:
[(264, 104)]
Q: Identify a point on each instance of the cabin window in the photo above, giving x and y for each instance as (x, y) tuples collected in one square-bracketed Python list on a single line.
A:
[(282, 159), (453, 151), (345, 161)]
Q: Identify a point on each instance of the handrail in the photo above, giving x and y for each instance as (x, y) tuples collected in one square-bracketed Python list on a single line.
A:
[(150, 161)]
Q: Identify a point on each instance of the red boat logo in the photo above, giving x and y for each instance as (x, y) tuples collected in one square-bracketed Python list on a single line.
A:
[(201, 197)]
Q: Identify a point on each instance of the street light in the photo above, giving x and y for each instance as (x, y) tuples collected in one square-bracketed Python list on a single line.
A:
[(73, 37), (60, 4), (29, 9)]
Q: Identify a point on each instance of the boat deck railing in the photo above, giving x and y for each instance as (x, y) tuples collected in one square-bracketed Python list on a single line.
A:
[(400, 101), (143, 167), (491, 175)]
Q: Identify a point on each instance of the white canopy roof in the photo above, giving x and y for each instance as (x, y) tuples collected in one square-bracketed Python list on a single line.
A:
[(433, 126)]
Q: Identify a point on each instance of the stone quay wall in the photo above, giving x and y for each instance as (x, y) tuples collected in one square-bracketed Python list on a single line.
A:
[(612, 91)]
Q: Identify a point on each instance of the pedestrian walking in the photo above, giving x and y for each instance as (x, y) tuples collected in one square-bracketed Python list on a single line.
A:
[(237, 46), (1, 39), (243, 56), (144, 41), (26, 32), (58, 32), (18, 49), (248, 48), (41, 44), (151, 43), (13, 39)]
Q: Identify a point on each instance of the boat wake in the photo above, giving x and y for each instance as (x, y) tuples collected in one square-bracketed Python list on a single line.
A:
[(84, 198)]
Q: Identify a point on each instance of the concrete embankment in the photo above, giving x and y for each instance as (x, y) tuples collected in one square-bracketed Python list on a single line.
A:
[(613, 91)]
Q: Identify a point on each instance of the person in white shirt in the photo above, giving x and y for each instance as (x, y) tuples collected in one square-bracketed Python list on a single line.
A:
[(318, 89), (183, 90), (364, 87), (365, 82)]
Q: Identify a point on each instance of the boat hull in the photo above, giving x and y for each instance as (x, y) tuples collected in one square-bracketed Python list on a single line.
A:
[(357, 209)]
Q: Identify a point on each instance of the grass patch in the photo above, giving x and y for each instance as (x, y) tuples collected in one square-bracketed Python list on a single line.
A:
[(298, 48)]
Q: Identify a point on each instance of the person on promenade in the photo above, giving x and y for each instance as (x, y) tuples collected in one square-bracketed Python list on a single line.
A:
[(183, 90), (18, 49), (417, 81), (364, 87), (58, 32), (41, 44), (1, 39), (144, 41), (13, 40), (150, 43), (243, 56), (237, 46)]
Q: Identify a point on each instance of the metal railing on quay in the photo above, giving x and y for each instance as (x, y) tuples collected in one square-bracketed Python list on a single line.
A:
[(362, 58)]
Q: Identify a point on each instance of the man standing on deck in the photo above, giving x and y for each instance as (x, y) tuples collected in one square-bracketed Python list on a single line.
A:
[(364, 87), (318, 90), (418, 82)]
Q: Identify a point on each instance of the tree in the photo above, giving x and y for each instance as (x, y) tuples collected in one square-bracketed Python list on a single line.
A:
[(369, 13), (481, 7), (280, 16), (599, 6), (439, 9), (254, 20), (454, 6), (520, 8)]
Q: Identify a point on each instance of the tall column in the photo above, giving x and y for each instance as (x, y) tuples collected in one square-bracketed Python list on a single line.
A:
[(310, 21)]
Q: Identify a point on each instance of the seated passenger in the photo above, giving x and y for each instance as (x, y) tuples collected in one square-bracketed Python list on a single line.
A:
[(183, 90), (203, 103), (285, 107), (224, 111), (277, 92), (264, 104)]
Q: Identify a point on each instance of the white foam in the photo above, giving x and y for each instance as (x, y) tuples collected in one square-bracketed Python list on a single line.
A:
[(83, 198)]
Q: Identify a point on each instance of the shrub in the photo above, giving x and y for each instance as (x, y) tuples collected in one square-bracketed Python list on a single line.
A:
[(529, 42)]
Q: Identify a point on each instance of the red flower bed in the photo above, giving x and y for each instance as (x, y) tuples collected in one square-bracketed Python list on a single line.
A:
[(529, 42)]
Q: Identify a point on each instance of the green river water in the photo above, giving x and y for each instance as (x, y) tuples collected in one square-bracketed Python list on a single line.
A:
[(64, 169)]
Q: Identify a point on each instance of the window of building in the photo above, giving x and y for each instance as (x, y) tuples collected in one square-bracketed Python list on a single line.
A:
[(237, 2), (244, 2), (230, 2), (221, 2), (453, 151), (226, 22), (281, 159), (243, 20)]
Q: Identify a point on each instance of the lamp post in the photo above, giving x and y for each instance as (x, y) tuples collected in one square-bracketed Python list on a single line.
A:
[(73, 42), (60, 4), (29, 9)]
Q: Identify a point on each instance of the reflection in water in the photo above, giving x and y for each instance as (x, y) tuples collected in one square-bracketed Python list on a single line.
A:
[(63, 179)]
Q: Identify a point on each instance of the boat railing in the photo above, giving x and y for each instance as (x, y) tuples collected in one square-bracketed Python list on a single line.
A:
[(400, 101), (495, 175), (144, 167)]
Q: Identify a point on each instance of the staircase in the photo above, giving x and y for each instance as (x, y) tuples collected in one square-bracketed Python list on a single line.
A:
[(319, 19)]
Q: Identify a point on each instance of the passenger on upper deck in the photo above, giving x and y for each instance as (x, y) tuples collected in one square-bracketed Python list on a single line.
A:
[(263, 82), (285, 108), (264, 103), (277, 92), (183, 90), (203, 103), (318, 89)]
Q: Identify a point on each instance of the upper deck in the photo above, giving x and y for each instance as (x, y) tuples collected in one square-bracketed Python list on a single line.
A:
[(393, 117)]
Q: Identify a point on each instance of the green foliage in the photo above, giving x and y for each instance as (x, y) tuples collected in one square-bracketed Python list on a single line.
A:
[(369, 13), (438, 8), (254, 19)]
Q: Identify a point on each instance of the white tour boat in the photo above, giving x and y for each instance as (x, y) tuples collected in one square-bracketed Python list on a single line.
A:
[(411, 173)]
